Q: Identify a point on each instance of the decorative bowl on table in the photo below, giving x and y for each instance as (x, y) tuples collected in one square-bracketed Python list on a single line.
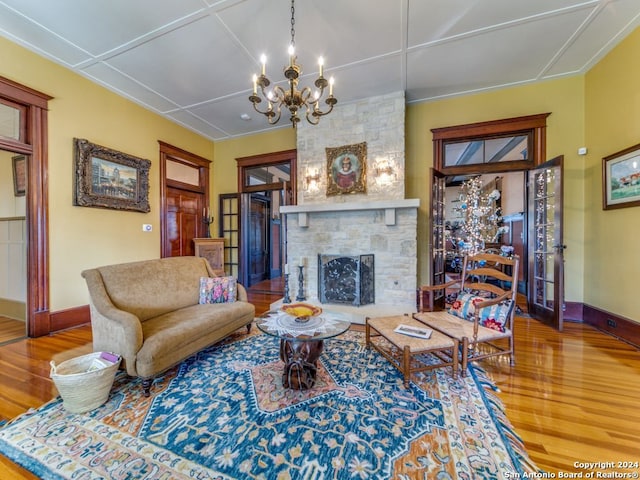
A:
[(301, 311)]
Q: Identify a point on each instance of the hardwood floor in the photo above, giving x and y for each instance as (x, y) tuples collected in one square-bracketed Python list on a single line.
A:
[(11, 330), (572, 396)]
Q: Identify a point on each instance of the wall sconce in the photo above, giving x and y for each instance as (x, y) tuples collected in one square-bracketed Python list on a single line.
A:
[(313, 180), (385, 173)]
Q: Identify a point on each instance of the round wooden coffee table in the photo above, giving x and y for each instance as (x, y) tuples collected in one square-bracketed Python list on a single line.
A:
[(301, 343)]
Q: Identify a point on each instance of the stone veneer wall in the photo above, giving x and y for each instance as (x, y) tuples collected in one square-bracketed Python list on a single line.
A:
[(354, 233), (378, 121)]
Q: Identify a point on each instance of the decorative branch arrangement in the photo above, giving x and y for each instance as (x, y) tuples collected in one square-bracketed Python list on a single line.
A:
[(481, 217)]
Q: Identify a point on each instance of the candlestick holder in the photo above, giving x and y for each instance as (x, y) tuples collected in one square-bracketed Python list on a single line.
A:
[(207, 221), (300, 297), (287, 298)]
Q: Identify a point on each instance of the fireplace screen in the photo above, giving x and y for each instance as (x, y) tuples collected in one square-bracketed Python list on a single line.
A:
[(346, 279)]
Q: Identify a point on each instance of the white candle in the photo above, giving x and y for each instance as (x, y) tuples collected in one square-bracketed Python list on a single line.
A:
[(301, 261), (291, 55), (286, 268)]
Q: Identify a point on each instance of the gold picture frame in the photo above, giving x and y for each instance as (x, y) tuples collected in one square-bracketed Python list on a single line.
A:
[(106, 178), (621, 179), (347, 169)]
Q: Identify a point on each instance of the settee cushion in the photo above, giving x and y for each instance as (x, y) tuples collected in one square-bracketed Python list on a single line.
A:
[(218, 290), (153, 287), (171, 337)]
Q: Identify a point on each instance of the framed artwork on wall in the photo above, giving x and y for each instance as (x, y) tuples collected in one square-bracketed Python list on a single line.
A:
[(19, 175), (106, 178), (621, 179), (347, 169)]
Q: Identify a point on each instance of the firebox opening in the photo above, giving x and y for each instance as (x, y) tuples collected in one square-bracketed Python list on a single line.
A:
[(346, 279)]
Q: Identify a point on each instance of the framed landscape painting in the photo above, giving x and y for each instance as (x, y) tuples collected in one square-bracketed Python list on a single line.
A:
[(621, 179), (106, 178)]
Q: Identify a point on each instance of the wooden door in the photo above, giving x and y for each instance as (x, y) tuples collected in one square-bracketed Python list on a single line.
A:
[(546, 248), (259, 216), (183, 217)]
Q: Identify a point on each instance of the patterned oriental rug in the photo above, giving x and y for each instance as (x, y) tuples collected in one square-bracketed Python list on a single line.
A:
[(223, 414)]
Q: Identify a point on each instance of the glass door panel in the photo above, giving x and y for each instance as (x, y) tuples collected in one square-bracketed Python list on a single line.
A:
[(438, 248), (546, 250)]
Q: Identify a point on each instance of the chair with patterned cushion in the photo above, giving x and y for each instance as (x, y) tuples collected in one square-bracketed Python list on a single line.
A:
[(481, 316)]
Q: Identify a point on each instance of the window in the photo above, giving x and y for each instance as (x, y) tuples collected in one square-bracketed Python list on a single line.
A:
[(495, 146)]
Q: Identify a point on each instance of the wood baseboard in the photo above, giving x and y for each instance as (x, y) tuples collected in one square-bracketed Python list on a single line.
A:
[(620, 327), (573, 312), (71, 317)]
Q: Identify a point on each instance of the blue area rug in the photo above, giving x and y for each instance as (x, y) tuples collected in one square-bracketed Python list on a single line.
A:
[(223, 414)]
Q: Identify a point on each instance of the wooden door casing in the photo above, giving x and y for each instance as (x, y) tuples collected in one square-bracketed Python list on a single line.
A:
[(184, 201)]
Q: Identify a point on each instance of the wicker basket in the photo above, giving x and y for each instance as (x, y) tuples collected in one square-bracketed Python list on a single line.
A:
[(84, 382)]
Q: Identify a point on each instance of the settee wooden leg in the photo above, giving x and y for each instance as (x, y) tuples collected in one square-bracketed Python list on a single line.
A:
[(249, 328), (146, 386)]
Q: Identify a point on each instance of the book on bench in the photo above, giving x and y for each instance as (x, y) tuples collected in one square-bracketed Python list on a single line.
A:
[(413, 331)]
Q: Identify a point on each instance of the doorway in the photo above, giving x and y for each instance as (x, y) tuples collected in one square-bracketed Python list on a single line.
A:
[(13, 247), (24, 132), (507, 145), (184, 191), (265, 183)]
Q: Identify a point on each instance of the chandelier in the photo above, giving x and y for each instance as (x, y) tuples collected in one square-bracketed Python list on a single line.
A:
[(292, 98)]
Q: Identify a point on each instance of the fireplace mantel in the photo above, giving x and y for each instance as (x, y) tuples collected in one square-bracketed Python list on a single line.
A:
[(388, 206)]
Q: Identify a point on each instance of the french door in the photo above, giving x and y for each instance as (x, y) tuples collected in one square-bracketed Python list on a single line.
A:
[(437, 247), (546, 247), (544, 241)]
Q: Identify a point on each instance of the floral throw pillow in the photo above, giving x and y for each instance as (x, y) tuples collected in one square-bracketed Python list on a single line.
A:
[(218, 290), (494, 317)]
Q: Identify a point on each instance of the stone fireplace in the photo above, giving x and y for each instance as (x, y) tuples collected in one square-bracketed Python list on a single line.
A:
[(380, 222)]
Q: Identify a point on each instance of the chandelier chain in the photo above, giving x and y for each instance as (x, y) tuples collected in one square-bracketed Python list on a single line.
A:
[(293, 24)]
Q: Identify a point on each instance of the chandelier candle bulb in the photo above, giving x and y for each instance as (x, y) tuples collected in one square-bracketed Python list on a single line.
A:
[(255, 84), (321, 63), (331, 87), (291, 55), (263, 60)]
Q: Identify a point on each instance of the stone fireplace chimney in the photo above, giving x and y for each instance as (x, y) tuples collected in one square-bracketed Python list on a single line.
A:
[(380, 222)]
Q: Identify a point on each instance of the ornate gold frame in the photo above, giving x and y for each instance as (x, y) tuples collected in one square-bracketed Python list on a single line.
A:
[(92, 189), (355, 179)]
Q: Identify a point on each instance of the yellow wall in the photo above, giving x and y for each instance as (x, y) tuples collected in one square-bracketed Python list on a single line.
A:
[(225, 172), (563, 98), (81, 237), (613, 124)]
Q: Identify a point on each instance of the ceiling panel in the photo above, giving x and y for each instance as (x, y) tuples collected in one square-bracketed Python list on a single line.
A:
[(188, 65), (100, 26), (451, 67), (433, 21), (598, 36), (192, 60)]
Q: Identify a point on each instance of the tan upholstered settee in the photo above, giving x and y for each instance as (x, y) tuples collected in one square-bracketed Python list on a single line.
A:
[(149, 313)]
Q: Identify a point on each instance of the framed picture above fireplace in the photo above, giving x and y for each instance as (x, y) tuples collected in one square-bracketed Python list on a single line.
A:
[(347, 169)]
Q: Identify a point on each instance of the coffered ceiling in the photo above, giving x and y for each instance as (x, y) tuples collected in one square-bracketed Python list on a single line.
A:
[(192, 60)]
